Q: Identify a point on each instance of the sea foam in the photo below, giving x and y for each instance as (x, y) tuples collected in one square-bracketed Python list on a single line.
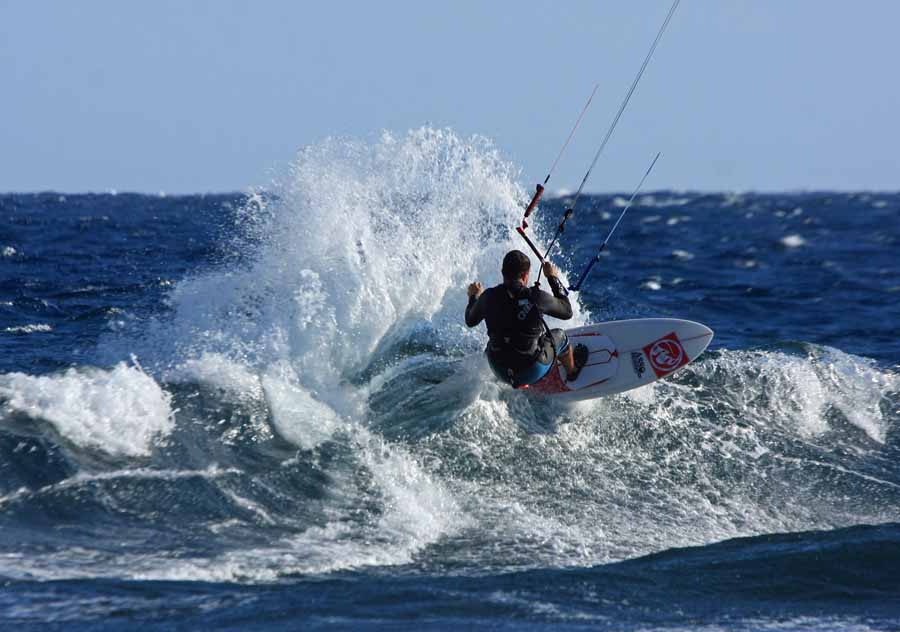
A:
[(120, 411)]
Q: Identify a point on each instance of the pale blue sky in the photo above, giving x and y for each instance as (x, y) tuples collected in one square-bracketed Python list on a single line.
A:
[(190, 96)]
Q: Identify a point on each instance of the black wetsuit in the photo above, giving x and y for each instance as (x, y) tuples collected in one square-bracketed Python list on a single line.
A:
[(518, 336)]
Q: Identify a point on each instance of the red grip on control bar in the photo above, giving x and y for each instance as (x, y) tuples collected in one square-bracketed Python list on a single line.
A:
[(534, 200)]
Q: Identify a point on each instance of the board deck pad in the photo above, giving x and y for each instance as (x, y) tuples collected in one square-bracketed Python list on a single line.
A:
[(626, 354)]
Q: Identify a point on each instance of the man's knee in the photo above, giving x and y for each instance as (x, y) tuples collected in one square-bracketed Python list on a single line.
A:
[(560, 340)]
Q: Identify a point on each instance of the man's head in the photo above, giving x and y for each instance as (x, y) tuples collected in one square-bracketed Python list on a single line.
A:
[(516, 266)]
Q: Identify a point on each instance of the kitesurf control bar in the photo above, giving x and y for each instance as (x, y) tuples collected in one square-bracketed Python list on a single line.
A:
[(534, 249), (528, 210), (537, 196), (593, 261)]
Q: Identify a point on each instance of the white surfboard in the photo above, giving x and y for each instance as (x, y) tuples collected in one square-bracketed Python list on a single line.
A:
[(626, 354)]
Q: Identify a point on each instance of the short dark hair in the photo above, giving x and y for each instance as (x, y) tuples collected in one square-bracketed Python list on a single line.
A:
[(515, 263)]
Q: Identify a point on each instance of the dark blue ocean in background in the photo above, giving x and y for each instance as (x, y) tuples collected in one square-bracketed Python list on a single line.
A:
[(262, 411)]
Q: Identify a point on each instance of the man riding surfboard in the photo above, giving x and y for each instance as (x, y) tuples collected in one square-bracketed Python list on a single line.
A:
[(521, 348)]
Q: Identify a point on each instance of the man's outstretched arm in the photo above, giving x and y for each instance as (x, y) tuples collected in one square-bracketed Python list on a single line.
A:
[(475, 308)]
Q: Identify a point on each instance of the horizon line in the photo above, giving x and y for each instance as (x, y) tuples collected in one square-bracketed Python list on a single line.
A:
[(553, 195)]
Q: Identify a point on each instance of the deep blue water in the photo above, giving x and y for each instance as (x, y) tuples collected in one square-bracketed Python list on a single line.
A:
[(263, 411)]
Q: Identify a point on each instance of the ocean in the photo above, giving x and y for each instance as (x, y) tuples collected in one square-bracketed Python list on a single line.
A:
[(263, 410)]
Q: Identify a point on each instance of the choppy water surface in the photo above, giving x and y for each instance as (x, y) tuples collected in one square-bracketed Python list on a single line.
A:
[(264, 411)]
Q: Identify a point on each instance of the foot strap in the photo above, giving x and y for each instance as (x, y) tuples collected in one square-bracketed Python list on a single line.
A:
[(581, 354)]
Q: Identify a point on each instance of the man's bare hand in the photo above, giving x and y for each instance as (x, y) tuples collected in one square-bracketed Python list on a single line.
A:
[(550, 270), (475, 289)]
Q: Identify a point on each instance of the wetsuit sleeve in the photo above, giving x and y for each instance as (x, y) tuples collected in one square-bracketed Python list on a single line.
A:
[(557, 305), (475, 310)]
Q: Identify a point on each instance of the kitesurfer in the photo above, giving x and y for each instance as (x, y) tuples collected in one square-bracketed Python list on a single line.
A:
[(521, 348)]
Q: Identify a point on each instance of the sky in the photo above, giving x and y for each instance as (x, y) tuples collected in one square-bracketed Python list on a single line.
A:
[(205, 96)]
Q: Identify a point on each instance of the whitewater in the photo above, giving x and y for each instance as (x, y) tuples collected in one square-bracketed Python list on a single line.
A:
[(264, 410)]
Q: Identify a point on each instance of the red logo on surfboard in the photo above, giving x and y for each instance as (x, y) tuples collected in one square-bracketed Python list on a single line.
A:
[(666, 355)]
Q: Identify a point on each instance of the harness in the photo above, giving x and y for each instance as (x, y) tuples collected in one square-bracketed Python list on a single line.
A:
[(520, 365)]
